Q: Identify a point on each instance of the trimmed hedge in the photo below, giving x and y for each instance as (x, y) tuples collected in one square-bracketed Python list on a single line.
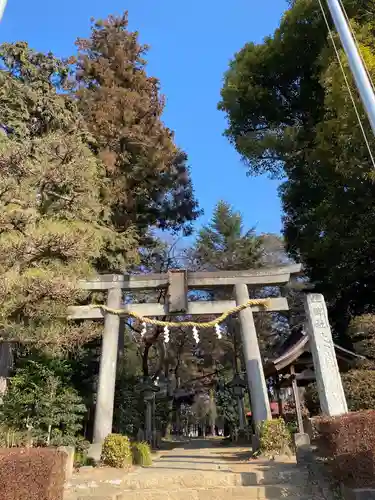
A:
[(32, 474), (275, 438), (348, 442), (117, 451)]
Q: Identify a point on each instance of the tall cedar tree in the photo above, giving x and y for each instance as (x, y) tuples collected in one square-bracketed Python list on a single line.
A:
[(224, 245), (290, 115), (149, 181), (50, 202)]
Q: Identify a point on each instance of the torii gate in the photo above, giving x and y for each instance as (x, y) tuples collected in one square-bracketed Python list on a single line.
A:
[(178, 283)]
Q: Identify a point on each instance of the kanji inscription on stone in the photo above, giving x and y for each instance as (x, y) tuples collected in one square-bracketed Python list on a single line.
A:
[(331, 393)]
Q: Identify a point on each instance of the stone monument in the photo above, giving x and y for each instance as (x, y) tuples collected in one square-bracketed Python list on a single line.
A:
[(327, 374)]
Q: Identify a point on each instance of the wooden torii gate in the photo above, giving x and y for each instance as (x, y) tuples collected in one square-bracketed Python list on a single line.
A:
[(178, 283)]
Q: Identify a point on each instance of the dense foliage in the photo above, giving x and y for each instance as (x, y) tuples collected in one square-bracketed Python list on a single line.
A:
[(90, 173), (359, 388), (224, 244), (141, 453), (88, 170), (275, 438), (41, 400), (117, 451), (290, 115), (148, 178), (52, 227), (347, 442)]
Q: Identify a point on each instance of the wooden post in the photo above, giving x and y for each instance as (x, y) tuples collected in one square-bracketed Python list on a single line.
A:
[(6, 361), (107, 370), (278, 395), (260, 405), (297, 400)]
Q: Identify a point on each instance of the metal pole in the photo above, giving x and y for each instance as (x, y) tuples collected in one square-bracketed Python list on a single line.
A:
[(355, 61), (3, 4)]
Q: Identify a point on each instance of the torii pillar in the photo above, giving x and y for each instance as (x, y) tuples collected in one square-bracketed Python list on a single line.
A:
[(260, 405)]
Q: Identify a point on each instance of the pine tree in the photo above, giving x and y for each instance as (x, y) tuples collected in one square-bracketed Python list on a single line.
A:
[(32, 97), (52, 219)]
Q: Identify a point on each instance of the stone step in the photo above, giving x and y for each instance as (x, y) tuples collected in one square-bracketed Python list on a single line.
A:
[(213, 479), (274, 475), (227, 493), (174, 480), (274, 492), (146, 480)]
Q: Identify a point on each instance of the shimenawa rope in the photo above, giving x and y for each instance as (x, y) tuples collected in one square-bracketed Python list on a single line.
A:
[(207, 324)]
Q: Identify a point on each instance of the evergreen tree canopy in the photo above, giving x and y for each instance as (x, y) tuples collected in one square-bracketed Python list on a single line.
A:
[(40, 398), (149, 181), (30, 84), (52, 217), (223, 243), (290, 115)]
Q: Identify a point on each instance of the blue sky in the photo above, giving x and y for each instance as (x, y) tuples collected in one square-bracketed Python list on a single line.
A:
[(191, 45)]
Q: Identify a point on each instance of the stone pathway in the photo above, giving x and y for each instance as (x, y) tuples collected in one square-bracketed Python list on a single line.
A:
[(200, 470)]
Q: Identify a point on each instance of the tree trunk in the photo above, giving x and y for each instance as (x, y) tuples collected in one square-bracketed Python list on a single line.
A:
[(178, 418), (169, 427), (212, 413), (49, 434), (6, 362)]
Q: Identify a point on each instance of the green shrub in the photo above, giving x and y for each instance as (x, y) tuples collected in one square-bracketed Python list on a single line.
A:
[(39, 394), (359, 388), (292, 427), (116, 451), (275, 438), (142, 454), (12, 438), (60, 439), (81, 459), (311, 398)]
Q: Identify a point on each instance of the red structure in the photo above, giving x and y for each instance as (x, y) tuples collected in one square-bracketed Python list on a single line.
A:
[(274, 409)]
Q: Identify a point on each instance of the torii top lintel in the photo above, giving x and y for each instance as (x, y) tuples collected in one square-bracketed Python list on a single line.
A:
[(194, 280), (178, 282)]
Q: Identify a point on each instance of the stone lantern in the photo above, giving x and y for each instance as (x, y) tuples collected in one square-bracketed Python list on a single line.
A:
[(238, 385), (148, 388)]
